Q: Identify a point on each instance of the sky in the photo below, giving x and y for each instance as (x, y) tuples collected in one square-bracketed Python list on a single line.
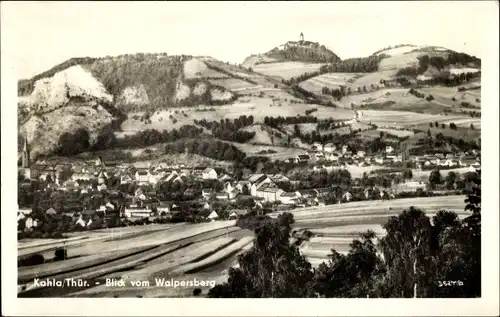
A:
[(42, 34)]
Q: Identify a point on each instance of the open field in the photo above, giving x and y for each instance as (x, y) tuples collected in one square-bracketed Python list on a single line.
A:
[(232, 84), (424, 175), (286, 70), (329, 80), (195, 68), (399, 99), (371, 78), (263, 135), (351, 127), (402, 119)]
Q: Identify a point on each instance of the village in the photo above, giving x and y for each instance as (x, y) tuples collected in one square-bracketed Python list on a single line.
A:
[(96, 194)]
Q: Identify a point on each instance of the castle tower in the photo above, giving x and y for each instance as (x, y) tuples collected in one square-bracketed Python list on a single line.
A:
[(25, 161), (301, 37)]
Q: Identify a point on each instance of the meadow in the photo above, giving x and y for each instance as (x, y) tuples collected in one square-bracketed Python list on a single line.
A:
[(286, 70)]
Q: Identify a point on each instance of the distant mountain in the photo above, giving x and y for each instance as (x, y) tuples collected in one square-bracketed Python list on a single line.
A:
[(296, 51)]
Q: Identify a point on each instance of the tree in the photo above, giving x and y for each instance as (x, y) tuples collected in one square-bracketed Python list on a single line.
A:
[(196, 291), (435, 178), (471, 126), (351, 275), (73, 143), (406, 255), (450, 180), (60, 254), (271, 268)]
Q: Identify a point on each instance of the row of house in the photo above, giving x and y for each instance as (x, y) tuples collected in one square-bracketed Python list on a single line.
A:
[(439, 159), (331, 148)]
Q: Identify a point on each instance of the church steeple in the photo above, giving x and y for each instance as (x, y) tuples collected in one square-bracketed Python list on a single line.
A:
[(26, 154)]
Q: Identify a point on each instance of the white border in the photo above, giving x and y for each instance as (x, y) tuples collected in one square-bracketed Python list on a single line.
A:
[(487, 305)]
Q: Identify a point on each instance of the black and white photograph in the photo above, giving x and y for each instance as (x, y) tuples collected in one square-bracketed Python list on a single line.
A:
[(270, 150)]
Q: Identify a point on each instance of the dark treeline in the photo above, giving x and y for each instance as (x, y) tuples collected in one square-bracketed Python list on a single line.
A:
[(145, 138), (305, 76), (301, 93), (450, 80), (276, 122), (329, 124), (355, 65), (308, 112), (229, 130), (223, 71), (416, 93), (207, 147), (74, 143), (337, 93), (440, 63), (429, 144), (309, 52)]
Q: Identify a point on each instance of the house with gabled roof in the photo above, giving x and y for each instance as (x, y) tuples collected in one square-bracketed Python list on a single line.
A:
[(241, 185), (279, 178), (347, 196), (206, 193), (303, 158), (222, 196), (225, 177), (209, 173), (260, 181), (126, 179), (197, 172), (50, 211), (142, 176), (269, 192), (289, 198), (317, 147)]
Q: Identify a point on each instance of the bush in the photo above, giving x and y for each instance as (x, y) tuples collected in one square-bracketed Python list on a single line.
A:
[(34, 259), (196, 291)]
